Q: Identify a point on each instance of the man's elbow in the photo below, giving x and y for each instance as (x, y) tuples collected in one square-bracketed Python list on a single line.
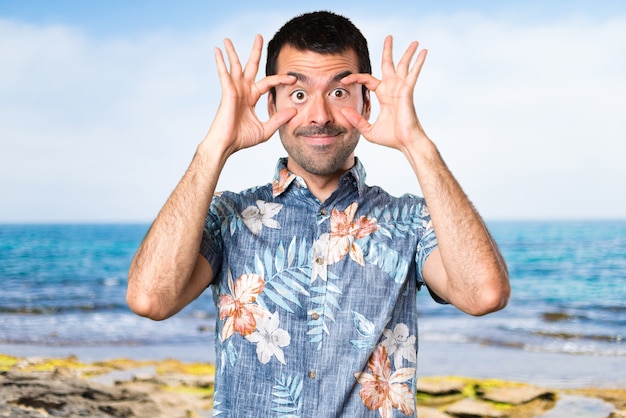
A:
[(145, 305), (493, 298)]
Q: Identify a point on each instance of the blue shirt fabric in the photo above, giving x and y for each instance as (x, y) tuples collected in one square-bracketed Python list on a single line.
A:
[(317, 312)]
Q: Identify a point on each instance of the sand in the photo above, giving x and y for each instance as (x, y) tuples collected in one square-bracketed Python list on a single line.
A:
[(67, 386)]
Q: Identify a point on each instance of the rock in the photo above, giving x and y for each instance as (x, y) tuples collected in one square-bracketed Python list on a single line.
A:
[(438, 387), (470, 408), (46, 393), (185, 380), (517, 395), (425, 412), (618, 414)]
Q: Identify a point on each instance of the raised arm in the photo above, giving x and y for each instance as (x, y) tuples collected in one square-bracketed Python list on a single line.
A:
[(467, 268), (167, 272)]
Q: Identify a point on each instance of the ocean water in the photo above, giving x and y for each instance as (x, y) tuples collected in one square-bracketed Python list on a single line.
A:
[(568, 291), (65, 285)]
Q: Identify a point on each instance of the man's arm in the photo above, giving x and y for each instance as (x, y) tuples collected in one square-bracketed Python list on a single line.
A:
[(467, 268), (167, 272)]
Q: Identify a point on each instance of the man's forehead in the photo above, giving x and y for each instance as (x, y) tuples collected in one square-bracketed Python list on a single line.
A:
[(306, 79), (306, 62)]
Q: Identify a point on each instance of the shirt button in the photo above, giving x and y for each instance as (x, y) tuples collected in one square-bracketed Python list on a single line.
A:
[(319, 260), (312, 374), (324, 211), (315, 316)]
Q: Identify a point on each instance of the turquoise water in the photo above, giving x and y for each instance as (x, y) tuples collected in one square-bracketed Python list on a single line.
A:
[(64, 285), (568, 291)]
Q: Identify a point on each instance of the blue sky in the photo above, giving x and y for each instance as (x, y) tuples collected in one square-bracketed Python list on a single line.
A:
[(103, 103)]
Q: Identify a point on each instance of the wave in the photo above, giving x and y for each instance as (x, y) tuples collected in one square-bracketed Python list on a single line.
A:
[(591, 346), (56, 309), (577, 336)]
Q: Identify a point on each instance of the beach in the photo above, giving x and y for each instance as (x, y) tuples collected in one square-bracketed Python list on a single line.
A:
[(563, 332), (556, 370), (166, 381)]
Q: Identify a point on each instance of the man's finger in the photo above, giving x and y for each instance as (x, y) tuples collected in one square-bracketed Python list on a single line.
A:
[(252, 66)]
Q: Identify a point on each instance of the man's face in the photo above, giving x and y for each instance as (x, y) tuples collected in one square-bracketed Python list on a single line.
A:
[(318, 140)]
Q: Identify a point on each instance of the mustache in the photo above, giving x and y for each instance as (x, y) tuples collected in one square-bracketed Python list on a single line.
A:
[(326, 130)]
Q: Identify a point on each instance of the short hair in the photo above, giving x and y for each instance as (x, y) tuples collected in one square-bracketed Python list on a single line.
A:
[(322, 32)]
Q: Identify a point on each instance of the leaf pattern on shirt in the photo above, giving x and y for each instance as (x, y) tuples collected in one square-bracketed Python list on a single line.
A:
[(400, 221), (228, 354), (228, 213), (287, 396), (323, 297), (395, 222), (216, 406), (287, 272), (366, 331)]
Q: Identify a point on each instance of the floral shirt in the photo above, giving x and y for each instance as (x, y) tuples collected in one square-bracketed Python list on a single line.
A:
[(316, 301)]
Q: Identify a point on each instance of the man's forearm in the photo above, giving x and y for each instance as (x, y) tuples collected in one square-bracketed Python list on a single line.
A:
[(477, 278), (158, 279)]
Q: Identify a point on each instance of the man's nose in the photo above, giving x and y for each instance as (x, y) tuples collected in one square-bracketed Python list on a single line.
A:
[(319, 111)]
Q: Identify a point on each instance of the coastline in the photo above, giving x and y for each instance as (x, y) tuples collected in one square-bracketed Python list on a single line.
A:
[(555, 370), (125, 381)]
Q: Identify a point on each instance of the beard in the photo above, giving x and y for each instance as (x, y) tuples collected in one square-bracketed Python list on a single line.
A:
[(320, 160)]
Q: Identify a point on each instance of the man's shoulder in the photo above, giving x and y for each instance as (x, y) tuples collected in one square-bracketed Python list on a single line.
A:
[(377, 191), (251, 194)]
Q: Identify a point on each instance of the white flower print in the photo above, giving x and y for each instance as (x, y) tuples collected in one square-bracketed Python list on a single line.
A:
[(399, 344), (255, 217), (320, 258), (270, 339)]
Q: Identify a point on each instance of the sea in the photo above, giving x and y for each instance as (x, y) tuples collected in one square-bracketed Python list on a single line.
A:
[(63, 287)]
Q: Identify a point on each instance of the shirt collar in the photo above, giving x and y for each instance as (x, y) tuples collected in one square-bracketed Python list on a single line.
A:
[(283, 178)]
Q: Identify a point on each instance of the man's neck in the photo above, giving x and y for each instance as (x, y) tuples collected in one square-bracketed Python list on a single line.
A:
[(320, 185)]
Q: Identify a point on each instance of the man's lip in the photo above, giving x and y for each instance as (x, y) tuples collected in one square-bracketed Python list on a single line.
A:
[(319, 139)]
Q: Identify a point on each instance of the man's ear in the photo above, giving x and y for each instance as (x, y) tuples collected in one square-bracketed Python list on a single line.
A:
[(271, 105), (367, 105)]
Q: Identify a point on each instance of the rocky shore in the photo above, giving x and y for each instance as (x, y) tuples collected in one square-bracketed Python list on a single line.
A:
[(66, 387)]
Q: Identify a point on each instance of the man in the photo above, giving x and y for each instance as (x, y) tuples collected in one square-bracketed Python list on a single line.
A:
[(315, 274)]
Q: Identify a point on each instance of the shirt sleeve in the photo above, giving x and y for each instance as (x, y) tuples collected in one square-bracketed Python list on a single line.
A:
[(425, 247), (211, 246)]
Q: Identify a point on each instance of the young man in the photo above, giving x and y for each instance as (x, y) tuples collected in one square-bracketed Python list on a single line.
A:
[(315, 274)]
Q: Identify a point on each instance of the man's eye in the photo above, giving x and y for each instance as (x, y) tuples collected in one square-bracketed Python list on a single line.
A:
[(298, 96), (339, 93)]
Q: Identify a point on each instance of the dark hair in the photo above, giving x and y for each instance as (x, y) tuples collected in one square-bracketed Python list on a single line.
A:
[(322, 32)]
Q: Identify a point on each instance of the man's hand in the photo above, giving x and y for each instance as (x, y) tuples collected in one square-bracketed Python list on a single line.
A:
[(397, 124), (167, 273), (467, 268), (236, 125)]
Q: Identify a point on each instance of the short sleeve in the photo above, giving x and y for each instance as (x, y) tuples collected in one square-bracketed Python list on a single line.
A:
[(211, 246), (425, 247)]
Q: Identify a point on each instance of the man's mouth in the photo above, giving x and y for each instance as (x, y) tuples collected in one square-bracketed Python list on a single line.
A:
[(320, 131)]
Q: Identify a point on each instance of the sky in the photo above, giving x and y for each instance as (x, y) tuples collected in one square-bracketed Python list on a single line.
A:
[(102, 104)]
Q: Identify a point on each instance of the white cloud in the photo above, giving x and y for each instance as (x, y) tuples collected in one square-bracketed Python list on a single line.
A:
[(527, 116)]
